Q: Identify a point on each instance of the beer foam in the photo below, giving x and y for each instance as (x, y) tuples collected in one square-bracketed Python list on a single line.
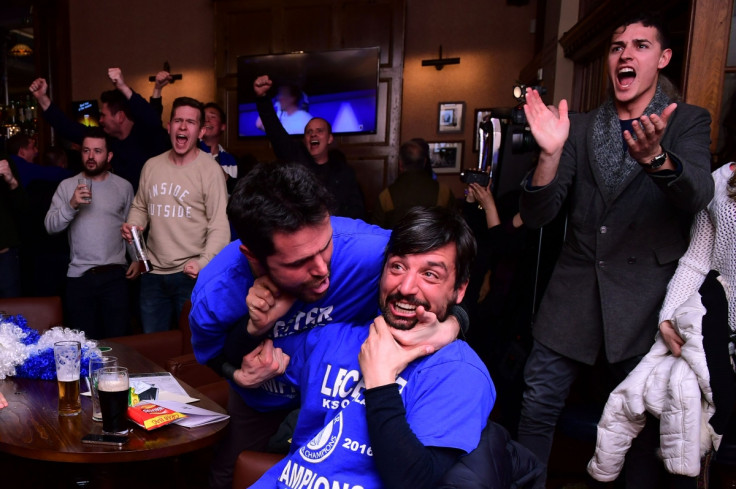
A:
[(67, 375), (112, 384)]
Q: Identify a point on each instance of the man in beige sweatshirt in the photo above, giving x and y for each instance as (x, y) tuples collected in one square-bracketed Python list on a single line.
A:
[(181, 199)]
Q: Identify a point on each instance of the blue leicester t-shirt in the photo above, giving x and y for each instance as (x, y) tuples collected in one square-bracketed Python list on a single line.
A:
[(218, 299), (448, 397)]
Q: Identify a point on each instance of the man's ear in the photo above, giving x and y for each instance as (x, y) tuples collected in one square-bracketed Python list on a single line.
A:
[(255, 264), (330, 139), (461, 292), (664, 58)]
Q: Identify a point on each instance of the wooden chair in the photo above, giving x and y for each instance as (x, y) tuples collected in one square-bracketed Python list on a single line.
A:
[(42, 313)]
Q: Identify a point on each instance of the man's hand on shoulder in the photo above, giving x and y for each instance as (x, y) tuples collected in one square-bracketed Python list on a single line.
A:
[(266, 304), (260, 365), (382, 358), (429, 331)]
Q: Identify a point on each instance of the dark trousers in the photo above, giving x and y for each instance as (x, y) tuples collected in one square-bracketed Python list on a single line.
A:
[(162, 299), (248, 430), (97, 303)]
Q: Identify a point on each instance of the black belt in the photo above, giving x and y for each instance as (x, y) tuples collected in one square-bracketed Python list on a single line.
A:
[(103, 269)]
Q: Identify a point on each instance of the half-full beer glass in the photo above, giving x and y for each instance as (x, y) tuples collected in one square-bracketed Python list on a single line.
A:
[(68, 356), (96, 362), (112, 387)]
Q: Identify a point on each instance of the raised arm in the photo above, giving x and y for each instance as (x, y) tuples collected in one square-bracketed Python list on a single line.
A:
[(550, 129), (284, 147), (67, 128)]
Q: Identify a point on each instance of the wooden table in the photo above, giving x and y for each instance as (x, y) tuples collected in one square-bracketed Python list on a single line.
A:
[(30, 426)]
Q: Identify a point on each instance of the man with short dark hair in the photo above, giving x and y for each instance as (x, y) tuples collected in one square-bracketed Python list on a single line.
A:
[(181, 200), (23, 151), (96, 289), (414, 187), (135, 127), (296, 267), (215, 123), (374, 413), (636, 170), (329, 165)]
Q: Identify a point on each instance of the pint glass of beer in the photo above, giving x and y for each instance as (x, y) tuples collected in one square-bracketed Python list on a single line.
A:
[(112, 387), (68, 356), (97, 362)]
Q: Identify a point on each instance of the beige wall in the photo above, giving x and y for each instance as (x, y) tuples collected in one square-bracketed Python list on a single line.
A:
[(494, 43), (138, 36)]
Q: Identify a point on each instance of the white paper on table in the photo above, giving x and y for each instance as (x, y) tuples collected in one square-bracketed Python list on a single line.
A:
[(168, 388), (163, 380), (196, 416)]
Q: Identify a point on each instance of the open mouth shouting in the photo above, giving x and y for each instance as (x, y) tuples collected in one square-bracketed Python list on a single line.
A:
[(626, 76)]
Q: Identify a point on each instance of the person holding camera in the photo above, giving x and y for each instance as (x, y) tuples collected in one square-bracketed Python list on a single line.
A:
[(415, 186), (635, 171)]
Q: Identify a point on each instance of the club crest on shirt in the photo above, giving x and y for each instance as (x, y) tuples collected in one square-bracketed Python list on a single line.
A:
[(322, 445)]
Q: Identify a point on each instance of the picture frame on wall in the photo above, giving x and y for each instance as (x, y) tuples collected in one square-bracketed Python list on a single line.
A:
[(446, 157), (450, 117), (479, 115)]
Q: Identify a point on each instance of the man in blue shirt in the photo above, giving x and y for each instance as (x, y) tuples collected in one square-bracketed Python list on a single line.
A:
[(295, 267), (374, 413)]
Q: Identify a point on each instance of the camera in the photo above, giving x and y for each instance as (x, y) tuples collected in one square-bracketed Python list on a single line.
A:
[(522, 140), (475, 176)]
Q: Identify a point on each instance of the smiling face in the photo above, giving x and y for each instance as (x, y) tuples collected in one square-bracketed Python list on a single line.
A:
[(213, 125), (425, 279), (185, 129), (317, 138), (634, 60), (300, 263), (95, 156)]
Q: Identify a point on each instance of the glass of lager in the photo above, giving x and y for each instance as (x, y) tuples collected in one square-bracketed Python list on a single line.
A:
[(68, 356), (112, 387), (95, 363)]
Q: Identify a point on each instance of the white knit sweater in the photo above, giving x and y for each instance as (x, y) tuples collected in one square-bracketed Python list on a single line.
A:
[(712, 247)]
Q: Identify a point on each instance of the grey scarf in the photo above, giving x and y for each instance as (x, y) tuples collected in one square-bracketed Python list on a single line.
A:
[(611, 152)]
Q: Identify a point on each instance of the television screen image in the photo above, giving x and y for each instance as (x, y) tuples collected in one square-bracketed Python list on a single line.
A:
[(338, 86), (87, 112)]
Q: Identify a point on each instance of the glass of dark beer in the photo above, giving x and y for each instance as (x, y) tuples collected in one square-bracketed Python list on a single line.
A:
[(68, 356), (112, 387), (96, 362)]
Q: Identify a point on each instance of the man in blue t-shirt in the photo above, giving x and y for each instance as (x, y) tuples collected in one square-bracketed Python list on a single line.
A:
[(374, 413), (295, 267)]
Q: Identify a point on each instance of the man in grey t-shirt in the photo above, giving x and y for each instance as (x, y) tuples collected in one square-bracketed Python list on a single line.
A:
[(93, 211)]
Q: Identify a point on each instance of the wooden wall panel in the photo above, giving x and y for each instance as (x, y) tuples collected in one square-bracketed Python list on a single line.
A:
[(307, 28)]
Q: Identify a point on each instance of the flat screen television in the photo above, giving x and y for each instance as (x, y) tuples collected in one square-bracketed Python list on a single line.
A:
[(339, 86)]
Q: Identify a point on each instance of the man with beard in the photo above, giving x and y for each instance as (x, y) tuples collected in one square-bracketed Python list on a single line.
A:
[(374, 413), (181, 200), (96, 290), (330, 166), (295, 267)]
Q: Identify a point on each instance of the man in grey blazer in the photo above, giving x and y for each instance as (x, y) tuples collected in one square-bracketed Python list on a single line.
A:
[(635, 170)]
